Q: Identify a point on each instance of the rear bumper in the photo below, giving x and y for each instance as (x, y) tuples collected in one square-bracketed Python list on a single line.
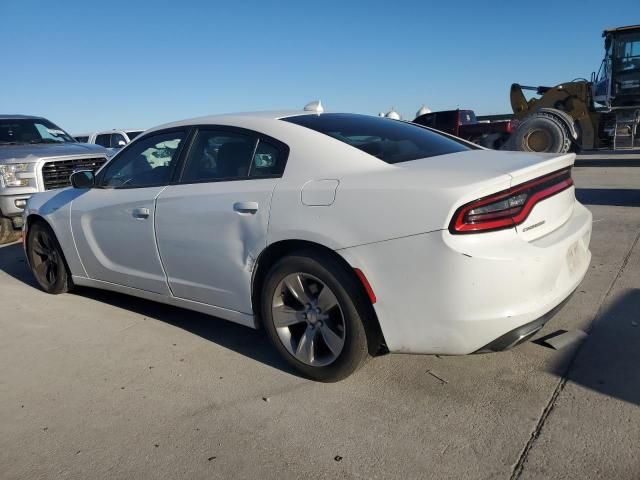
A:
[(457, 294), (523, 333)]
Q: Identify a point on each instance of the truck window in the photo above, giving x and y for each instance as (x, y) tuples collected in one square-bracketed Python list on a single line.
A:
[(115, 138), (467, 117), (104, 140)]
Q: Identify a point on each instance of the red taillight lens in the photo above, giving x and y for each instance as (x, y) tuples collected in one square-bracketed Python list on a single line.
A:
[(510, 207)]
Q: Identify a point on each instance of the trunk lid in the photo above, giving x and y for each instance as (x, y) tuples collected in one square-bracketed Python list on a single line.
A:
[(467, 168), (552, 212), (476, 174)]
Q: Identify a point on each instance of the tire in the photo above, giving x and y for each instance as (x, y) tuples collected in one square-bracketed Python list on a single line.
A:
[(327, 344), (47, 261), (542, 132), (8, 234)]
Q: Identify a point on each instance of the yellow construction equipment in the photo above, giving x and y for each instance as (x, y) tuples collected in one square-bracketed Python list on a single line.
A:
[(603, 113)]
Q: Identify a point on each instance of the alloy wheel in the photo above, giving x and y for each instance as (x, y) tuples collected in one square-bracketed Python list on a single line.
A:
[(308, 319), (46, 259)]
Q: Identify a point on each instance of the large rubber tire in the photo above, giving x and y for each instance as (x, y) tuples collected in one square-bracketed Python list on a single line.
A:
[(47, 261), (352, 303), (541, 132), (8, 234)]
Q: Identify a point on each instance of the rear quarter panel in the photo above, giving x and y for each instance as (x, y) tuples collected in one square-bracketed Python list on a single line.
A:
[(374, 204)]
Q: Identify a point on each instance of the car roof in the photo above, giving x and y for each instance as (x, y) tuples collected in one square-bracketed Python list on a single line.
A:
[(223, 117)]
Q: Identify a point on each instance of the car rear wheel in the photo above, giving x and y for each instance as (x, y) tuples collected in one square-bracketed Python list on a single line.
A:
[(47, 260), (311, 308)]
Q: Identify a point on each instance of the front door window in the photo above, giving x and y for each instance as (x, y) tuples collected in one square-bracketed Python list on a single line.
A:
[(147, 162)]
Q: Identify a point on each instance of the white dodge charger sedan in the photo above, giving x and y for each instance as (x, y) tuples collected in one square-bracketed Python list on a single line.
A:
[(341, 235)]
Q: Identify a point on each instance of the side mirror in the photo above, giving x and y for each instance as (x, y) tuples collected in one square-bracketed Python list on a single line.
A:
[(83, 179), (121, 143)]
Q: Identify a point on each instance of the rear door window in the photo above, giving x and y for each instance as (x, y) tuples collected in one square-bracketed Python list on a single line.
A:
[(391, 141), (219, 155), (268, 160)]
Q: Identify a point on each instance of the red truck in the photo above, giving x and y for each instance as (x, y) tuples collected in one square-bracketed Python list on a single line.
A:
[(464, 124)]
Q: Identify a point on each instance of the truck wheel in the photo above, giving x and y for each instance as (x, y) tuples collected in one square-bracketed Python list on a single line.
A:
[(541, 132), (7, 233)]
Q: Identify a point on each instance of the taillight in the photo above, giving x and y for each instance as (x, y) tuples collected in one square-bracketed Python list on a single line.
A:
[(510, 207)]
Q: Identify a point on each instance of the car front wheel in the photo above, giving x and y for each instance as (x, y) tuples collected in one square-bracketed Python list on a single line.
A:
[(311, 308), (47, 260)]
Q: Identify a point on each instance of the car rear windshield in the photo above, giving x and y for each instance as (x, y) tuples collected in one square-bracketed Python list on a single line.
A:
[(392, 141)]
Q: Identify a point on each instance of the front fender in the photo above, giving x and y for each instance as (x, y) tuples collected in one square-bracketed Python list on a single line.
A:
[(54, 207)]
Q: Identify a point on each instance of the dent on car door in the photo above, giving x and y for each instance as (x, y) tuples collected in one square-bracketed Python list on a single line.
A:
[(113, 224), (212, 225)]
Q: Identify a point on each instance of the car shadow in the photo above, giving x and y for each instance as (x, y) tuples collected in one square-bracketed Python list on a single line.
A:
[(616, 197), (243, 340), (13, 262), (608, 359)]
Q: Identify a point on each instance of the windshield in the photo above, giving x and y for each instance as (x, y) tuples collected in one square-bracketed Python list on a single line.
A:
[(16, 131), (391, 141), (627, 53)]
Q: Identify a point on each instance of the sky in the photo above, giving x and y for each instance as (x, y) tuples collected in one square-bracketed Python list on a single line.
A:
[(132, 64)]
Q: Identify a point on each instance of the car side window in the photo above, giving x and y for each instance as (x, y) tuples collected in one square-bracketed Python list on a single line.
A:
[(268, 161), (104, 140), (116, 138), (146, 162), (219, 155)]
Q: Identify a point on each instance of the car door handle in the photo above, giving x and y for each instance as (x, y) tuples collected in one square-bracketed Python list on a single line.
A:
[(141, 213), (245, 208)]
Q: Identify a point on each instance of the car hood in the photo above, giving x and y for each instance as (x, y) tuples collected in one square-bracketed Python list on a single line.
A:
[(35, 152)]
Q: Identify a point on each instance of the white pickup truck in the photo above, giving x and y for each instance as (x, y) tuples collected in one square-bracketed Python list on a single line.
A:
[(36, 155), (111, 139)]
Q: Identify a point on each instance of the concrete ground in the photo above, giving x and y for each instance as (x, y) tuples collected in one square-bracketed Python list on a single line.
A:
[(99, 385)]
